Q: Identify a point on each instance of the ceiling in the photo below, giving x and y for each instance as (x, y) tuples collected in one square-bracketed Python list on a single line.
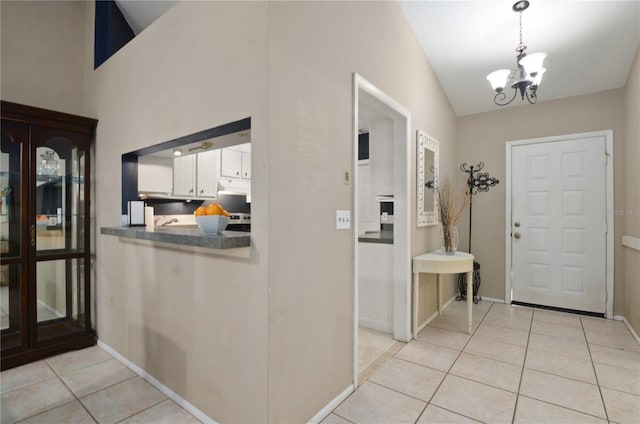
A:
[(142, 13), (590, 45)]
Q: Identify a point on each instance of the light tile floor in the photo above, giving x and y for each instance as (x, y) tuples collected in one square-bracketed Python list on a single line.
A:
[(84, 386), (372, 345), (521, 365)]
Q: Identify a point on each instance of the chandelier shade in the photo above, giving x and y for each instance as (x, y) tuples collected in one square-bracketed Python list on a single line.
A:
[(498, 79), (526, 78), (532, 63)]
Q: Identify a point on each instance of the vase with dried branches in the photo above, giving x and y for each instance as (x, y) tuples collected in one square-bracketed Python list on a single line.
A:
[(451, 204)]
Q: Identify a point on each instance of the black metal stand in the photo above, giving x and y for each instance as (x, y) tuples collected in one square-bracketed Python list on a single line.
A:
[(476, 183)]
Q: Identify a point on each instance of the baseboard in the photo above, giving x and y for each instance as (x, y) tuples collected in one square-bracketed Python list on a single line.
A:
[(491, 299), (158, 385), (449, 302), (626, 323), (322, 414), (375, 325)]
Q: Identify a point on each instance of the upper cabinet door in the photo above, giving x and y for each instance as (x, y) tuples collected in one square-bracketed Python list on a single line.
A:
[(184, 175), (231, 163), (207, 174), (246, 166)]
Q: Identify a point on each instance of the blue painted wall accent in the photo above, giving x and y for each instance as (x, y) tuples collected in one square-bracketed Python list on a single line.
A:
[(112, 31)]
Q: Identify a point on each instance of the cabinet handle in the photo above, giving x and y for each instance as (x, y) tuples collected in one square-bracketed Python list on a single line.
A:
[(237, 172), (201, 191), (33, 235), (191, 191)]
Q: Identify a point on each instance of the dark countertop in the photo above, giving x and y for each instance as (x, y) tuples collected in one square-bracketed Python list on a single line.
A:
[(186, 236), (381, 237)]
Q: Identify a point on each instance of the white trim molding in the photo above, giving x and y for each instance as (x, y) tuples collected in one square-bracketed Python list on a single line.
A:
[(324, 412), (608, 136), (629, 327), (491, 299), (189, 407), (402, 213), (631, 242)]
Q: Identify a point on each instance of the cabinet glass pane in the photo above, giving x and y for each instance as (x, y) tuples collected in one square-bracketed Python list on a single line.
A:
[(60, 293), (10, 189), (60, 195), (10, 299)]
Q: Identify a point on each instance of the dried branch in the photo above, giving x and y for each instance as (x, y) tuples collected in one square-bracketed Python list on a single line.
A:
[(451, 203)]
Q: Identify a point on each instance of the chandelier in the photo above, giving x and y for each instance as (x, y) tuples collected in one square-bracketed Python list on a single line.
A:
[(524, 80), (48, 165)]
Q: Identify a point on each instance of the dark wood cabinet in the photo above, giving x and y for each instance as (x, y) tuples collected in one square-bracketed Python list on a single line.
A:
[(45, 229)]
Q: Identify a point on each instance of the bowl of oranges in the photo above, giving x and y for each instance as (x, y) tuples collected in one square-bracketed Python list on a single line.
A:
[(212, 219)]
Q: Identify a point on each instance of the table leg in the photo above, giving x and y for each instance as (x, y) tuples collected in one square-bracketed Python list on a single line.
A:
[(469, 299), (416, 283), (439, 294)]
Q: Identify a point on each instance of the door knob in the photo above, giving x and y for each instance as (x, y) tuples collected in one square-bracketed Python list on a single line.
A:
[(516, 236), (516, 224)]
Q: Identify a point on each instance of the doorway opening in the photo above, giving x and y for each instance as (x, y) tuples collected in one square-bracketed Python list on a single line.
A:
[(559, 229), (381, 220)]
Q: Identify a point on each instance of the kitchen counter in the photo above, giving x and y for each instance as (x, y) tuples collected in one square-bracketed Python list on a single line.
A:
[(382, 237), (183, 235)]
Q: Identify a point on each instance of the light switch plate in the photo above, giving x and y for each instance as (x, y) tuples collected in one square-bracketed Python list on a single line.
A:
[(343, 220)]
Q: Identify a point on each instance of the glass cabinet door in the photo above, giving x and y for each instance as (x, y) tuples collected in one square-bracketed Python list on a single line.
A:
[(60, 219), (13, 159)]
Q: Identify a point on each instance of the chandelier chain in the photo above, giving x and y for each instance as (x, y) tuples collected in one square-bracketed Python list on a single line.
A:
[(521, 47)]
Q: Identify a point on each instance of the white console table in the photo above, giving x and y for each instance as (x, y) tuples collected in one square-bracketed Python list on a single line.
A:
[(438, 263)]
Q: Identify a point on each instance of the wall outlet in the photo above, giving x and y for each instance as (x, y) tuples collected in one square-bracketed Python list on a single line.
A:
[(343, 220)]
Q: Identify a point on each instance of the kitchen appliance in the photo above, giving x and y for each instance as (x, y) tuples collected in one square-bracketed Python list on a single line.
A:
[(239, 222)]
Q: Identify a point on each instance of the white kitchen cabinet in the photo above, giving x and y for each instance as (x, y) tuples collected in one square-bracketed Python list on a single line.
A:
[(155, 175), (231, 163), (381, 157), (235, 169), (236, 162), (184, 175), (246, 165), (196, 175), (207, 174), (375, 286)]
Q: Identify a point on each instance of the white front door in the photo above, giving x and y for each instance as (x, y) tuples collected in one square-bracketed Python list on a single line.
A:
[(558, 223)]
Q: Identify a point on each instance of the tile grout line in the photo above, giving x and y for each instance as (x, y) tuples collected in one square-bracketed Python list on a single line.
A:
[(71, 391), (56, 376), (59, 376), (148, 407), (451, 366), (524, 361), (595, 373)]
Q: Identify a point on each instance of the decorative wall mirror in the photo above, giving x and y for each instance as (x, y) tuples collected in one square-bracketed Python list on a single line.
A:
[(427, 179)]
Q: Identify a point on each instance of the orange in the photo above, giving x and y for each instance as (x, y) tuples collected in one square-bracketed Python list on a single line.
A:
[(225, 213), (214, 209), (200, 211)]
